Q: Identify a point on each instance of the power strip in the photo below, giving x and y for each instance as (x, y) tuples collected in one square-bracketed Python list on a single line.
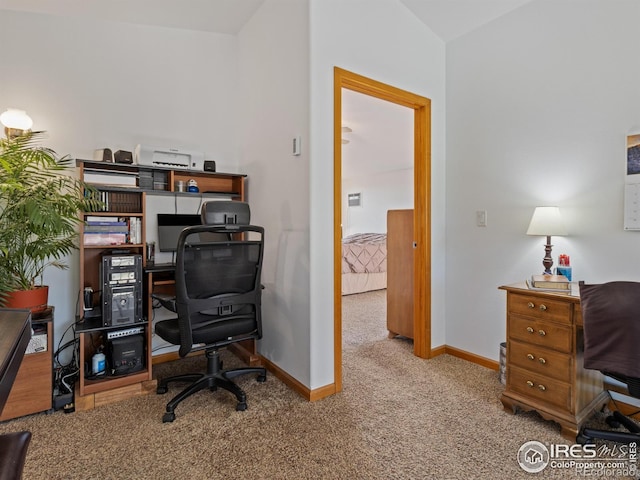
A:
[(124, 333)]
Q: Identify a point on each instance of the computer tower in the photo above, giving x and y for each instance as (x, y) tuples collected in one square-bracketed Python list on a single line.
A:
[(121, 289)]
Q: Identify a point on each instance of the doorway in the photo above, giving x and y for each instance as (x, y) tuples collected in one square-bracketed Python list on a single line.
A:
[(421, 221)]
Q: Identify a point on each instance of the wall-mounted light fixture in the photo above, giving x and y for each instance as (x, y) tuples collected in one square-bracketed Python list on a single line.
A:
[(16, 122), (547, 221)]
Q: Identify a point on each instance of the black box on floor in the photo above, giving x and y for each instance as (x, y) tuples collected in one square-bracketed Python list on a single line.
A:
[(62, 401), (125, 354)]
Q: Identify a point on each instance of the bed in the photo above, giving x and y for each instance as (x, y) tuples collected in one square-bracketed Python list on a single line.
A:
[(364, 262)]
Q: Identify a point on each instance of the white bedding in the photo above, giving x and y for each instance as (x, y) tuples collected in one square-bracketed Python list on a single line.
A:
[(364, 263)]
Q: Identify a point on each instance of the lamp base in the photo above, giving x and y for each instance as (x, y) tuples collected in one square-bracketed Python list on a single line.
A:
[(547, 261)]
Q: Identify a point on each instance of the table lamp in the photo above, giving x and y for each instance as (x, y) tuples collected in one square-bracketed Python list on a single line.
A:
[(547, 221)]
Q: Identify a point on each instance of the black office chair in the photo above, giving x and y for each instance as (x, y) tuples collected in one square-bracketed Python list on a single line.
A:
[(218, 298), (611, 318)]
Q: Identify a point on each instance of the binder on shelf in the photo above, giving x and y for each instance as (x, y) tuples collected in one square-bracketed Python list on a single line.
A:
[(111, 178), (109, 223), (94, 218), (135, 230), (106, 227), (91, 238)]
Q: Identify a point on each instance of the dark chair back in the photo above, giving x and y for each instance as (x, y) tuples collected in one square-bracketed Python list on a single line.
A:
[(218, 290), (611, 318)]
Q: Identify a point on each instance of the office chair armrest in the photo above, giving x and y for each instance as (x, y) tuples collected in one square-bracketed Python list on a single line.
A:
[(167, 301)]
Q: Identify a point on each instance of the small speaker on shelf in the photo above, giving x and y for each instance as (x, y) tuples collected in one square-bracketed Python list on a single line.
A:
[(209, 166), (122, 156), (103, 155)]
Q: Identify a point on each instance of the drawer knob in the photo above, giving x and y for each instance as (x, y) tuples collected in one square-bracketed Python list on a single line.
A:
[(530, 384), (543, 307), (530, 356), (542, 360), (530, 305), (542, 333), (530, 329), (542, 388)]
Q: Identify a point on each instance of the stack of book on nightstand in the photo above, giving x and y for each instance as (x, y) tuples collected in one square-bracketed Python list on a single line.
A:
[(550, 283)]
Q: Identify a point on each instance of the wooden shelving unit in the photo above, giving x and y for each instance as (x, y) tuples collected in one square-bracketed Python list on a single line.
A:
[(128, 202)]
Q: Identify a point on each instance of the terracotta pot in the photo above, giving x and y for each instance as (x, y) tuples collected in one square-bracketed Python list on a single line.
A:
[(36, 300)]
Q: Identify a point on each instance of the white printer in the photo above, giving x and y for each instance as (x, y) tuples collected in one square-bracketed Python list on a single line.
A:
[(171, 158)]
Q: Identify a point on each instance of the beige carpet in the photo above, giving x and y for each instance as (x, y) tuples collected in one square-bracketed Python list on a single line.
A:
[(398, 417)]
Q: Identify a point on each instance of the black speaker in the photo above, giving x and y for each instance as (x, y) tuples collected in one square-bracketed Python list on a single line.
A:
[(209, 166), (122, 156)]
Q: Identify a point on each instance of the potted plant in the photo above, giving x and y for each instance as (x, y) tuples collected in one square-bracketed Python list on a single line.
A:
[(39, 214)]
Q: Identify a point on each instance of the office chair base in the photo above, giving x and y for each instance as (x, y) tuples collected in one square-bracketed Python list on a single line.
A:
[(213, 379), (616, 419)]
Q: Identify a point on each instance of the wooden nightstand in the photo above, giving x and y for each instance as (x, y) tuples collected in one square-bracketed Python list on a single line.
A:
[(545, 370)]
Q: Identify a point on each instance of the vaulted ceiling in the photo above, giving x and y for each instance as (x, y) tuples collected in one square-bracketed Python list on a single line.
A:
[(382, 136), (447, 18)]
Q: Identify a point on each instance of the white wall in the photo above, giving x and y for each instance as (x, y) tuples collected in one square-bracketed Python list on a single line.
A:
[(274, 108), (93, 84), (379, 192), (538, 106), (538, 119), (382, 40)]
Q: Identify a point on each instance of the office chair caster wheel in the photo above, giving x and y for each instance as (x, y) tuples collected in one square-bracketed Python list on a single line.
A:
[(584, 440), (612, 422), (168, 417), (261, 378), (241, 406), (161, 390)]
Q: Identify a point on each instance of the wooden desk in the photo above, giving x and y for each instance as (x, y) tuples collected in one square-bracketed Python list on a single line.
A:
[(545, 369), (15, 333)]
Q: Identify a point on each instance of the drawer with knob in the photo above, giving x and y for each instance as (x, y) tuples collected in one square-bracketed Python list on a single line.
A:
[(538, 332), (540, 307), (540, 360), (540, 387), (544, 367)]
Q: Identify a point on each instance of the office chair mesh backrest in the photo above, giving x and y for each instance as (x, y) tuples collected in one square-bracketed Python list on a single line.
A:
[(220, 293), (611, 317)]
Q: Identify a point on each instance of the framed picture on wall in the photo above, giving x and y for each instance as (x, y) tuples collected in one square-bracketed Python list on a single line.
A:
[(632, 184), (633, 154)]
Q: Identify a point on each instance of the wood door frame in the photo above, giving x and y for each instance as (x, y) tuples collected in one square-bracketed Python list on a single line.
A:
[(422, 207)]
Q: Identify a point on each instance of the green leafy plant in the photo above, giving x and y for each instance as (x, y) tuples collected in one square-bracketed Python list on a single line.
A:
[(39, 211)]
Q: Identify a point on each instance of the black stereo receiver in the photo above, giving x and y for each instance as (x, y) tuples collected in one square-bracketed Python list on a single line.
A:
[(125, 354)]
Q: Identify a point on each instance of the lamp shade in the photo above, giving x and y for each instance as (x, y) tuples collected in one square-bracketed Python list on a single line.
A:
[(14, 118), (546, 221)]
